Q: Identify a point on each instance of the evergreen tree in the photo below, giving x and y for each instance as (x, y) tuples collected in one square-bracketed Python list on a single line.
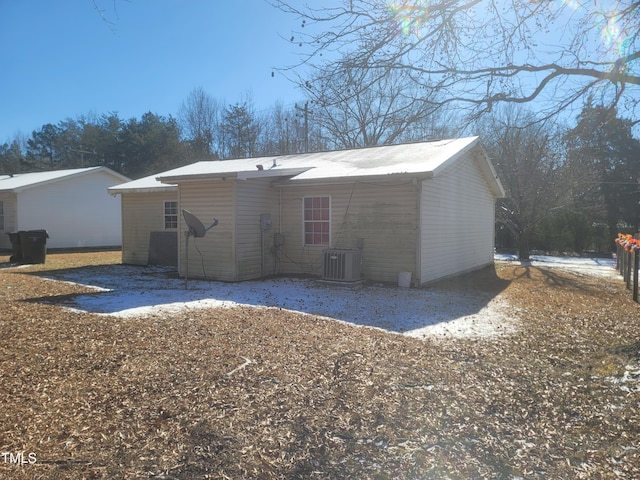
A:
[(606, 160), (43, 152), (241, 131), (11, 158), (152, 144)]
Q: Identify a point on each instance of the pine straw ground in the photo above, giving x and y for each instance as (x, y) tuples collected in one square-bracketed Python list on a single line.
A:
[(265, 393)]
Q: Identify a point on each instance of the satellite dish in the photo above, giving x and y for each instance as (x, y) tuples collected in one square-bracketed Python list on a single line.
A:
[(196, 228)]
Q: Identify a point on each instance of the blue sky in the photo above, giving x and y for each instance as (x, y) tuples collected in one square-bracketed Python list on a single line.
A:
[(61, 59)]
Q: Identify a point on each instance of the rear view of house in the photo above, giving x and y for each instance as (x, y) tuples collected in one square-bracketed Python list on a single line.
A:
[(72, 205), (424, 210)]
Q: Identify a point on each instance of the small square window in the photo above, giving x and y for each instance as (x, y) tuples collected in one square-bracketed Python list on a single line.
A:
[(170, 215)]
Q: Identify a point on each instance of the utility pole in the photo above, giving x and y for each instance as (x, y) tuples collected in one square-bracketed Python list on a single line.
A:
[(306, 124), (82, 153)]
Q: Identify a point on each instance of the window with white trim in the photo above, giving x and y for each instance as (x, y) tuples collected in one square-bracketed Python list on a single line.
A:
[(170, 215), (317, 220)]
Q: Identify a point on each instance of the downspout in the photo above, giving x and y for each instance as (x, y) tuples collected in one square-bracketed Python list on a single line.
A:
[(234, 230), (280, 212), (122, 220), (278, 266), (180, 243), (418, 276)]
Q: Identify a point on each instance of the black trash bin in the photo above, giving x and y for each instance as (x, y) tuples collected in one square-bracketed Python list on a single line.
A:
[(34, 246), (14, 238)]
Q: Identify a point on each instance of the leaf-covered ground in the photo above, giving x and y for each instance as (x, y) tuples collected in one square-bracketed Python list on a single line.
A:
[(266, 393)]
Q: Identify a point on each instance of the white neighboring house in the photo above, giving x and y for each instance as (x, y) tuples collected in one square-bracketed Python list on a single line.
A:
[(73, 206)]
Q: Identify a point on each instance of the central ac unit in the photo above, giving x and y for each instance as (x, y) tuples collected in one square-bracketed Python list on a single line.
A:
[(342, 265)]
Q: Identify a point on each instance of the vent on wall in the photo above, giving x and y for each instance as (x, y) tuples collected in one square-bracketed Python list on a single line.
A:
[(342, 265)]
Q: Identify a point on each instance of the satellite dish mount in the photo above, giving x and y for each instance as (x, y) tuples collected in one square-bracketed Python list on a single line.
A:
[(196, 229)]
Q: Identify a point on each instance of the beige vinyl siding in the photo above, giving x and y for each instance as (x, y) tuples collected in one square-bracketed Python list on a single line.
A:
[(383, 213), (296, 258), (253, 198), (142, 213), (208, 199), (10, 218), (457, 213)]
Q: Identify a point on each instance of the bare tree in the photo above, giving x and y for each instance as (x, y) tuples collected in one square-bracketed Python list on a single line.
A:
[(199, 118), (529, 159), (284, 131), (478, 53), (360, 107)]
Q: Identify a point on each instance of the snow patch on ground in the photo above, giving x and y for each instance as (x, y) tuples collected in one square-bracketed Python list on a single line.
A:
[(127, 291), (630, 379), (602, 267)]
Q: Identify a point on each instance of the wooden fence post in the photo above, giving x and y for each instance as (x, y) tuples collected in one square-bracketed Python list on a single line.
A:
[(619, 258), (628, 260), (627, 268), (636, 257)]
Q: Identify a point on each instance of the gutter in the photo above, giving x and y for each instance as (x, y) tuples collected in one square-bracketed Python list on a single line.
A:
[(294, 182), (239, 175), (160, 189)]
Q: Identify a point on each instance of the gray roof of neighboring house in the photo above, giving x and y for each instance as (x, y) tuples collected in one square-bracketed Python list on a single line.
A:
[(22, 181)]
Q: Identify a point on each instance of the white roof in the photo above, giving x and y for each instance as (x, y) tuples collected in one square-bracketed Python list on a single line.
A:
[(22, 181), (144, 184), (424, 157), (412, 158)]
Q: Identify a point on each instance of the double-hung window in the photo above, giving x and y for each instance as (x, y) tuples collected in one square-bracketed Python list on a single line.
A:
[(170, 215), (317, 220)]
